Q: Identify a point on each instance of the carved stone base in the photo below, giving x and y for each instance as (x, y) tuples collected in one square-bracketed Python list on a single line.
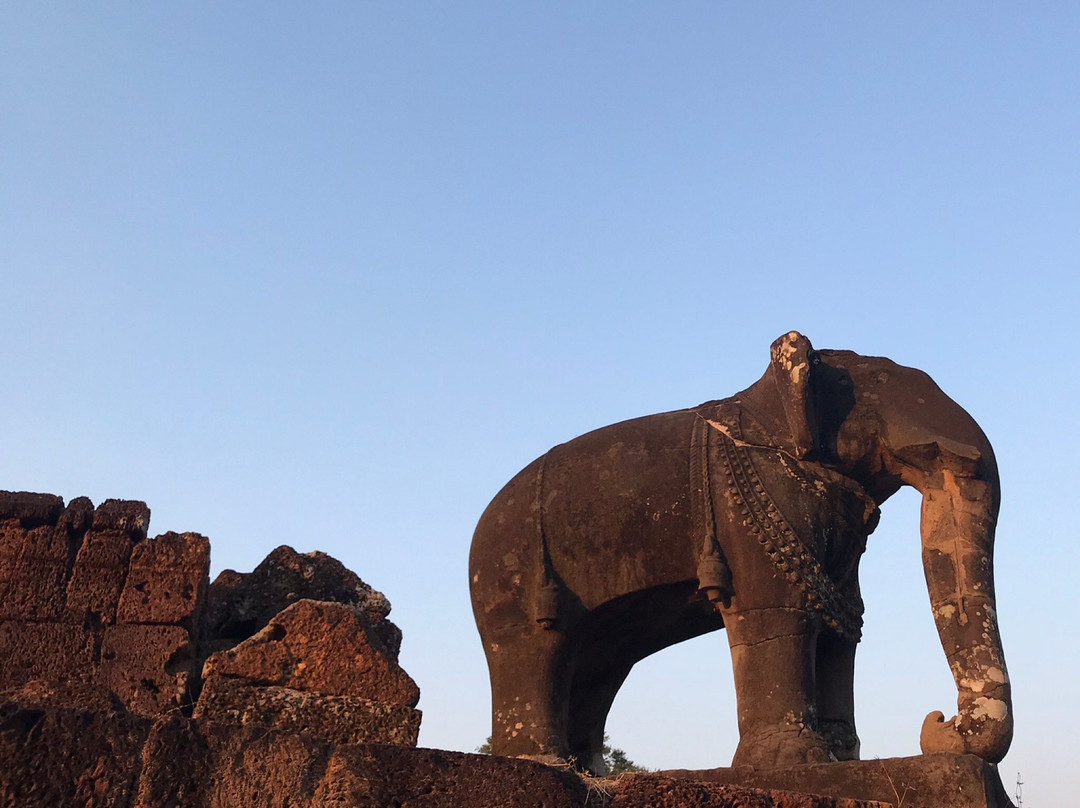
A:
[(925, 781)]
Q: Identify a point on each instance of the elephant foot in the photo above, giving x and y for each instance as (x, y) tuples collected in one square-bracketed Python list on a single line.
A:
[(841, 737), (773, 748)]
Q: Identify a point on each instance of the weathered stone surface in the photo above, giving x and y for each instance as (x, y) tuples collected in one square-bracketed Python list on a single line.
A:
[(33, 571), (55, 758), (338, 719), (38, 542), (189, 764), (79, 695), (655, 791), (77, 516), (98, 577), (50, 651), (148, 667), (925, 781), (166, 581), (432, 778), (240, 604), (389, 635), (127, 515), (32, 510), (318, 647)]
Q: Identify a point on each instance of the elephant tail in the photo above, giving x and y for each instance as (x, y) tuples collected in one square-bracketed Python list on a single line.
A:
[(547, 590)]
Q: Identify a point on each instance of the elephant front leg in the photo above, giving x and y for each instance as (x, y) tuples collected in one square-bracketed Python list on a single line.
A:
[(836, 695), (772, 653)]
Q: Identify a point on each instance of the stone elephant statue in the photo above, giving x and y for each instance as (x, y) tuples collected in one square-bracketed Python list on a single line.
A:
[(750, 514)]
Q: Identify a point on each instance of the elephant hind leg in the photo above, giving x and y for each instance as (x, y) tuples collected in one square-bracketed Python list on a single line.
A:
[(591, 697), (529, 695), (610, 640)]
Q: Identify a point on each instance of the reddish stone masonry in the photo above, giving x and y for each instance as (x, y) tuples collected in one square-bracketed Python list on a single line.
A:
[(94, 612)]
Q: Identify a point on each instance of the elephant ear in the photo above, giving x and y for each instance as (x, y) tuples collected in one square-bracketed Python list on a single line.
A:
[(793, 358)]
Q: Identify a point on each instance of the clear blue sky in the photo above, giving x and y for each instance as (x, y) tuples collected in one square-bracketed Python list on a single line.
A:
[(330, 274)]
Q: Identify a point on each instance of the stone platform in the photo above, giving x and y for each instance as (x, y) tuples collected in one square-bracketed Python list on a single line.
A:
[(55, 757), (925, 781)]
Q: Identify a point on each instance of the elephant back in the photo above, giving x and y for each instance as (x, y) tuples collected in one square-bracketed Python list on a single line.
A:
[(618, 497)]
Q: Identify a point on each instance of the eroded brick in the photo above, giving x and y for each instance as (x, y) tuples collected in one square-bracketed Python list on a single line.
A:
[(47, 651), (340, 719), (53, 758), (32, 510), (127, 515), (322, 648), (98, 576), (148, 667), (167, 581), (33, 571), (240, 604)]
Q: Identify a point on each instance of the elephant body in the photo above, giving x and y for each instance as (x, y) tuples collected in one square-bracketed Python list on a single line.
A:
[(749, 513)]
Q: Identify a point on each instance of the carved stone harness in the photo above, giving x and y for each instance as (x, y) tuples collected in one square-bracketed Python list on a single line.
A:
[(791, 554)]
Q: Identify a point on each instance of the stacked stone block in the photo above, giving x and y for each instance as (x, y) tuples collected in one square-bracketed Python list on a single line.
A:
[(35, 556), (75, 611), (242, 603), (307, 647), (95, 615)]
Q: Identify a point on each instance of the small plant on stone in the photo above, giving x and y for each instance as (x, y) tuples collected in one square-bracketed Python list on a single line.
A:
[(616, 759)]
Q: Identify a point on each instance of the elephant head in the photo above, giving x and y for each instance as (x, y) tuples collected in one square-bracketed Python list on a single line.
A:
[(885, 425)]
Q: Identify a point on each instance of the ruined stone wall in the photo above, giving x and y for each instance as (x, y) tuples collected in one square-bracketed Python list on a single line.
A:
[(88, 603), (95, 615)]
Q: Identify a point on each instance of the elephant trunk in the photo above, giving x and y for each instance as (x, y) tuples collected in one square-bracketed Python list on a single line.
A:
[(959, 514)]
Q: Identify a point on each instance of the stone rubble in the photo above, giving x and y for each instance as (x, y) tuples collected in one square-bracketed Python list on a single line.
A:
[(92, 611)]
